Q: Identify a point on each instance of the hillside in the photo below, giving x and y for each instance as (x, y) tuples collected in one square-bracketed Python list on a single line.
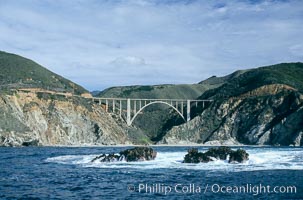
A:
[(20, 72), (37, 116), (260, 106), (168, 91), (183, 91), (218, 81), (285, 73)]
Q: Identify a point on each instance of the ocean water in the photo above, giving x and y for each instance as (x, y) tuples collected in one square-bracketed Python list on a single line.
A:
[(67, 173)]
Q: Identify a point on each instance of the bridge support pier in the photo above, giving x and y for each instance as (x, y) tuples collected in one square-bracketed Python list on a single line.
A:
[(120, 109), (188, 110), (135, 106), (106, 105), (128, 117)]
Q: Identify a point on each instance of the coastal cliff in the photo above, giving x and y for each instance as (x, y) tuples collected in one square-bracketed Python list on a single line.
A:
[(29, 119), (263, 120), (263, 106), (39, 107)]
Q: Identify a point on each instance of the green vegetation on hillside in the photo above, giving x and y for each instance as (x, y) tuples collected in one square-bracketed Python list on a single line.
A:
[(290, 74), (19, 72), (183, 91)]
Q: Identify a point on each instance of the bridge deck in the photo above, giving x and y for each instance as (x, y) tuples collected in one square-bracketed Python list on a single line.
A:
[(179, 100)]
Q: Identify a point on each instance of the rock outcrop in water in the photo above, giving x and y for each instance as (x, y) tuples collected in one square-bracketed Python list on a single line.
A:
[(238, 156), (129, 155), (193, 156), (220, 153), (139, 154)]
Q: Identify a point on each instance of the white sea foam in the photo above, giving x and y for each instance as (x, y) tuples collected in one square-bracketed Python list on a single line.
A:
[(71, 159), (259, 159)]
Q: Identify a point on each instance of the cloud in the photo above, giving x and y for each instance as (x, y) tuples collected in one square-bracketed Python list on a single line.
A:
[(128, 61), (99, 44)]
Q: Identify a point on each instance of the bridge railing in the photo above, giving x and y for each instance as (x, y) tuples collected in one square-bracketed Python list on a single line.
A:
[(136, 99)]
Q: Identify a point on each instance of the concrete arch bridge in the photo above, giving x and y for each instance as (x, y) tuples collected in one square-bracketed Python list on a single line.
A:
[(133, 107)]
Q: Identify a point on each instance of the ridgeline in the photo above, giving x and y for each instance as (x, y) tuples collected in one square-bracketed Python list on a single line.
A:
[(261, 106)]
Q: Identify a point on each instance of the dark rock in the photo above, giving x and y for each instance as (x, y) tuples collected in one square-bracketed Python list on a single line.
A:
[(194, 156), (31, 143), (139, 154), (238, 156), (129, 155), (219, 153)]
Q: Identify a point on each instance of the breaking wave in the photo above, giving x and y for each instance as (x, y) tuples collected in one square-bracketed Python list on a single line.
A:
[(259, 159)]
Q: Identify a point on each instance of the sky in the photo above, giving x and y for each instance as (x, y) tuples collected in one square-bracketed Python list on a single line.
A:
[(105, 43)]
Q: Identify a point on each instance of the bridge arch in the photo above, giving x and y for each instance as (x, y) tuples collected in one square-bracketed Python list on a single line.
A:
[(155, 102)]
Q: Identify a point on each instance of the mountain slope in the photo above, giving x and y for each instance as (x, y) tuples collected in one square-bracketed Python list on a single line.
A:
[(285, 73), (179, 91), (183, 91), (20, 72), (38, 117), (260, 106)]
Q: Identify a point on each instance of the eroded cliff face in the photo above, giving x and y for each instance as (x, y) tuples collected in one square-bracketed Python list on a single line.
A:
[(268, 115), (26, 119)]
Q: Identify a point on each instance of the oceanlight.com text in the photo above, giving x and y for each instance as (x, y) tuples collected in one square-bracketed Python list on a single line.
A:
[(253, 189)]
